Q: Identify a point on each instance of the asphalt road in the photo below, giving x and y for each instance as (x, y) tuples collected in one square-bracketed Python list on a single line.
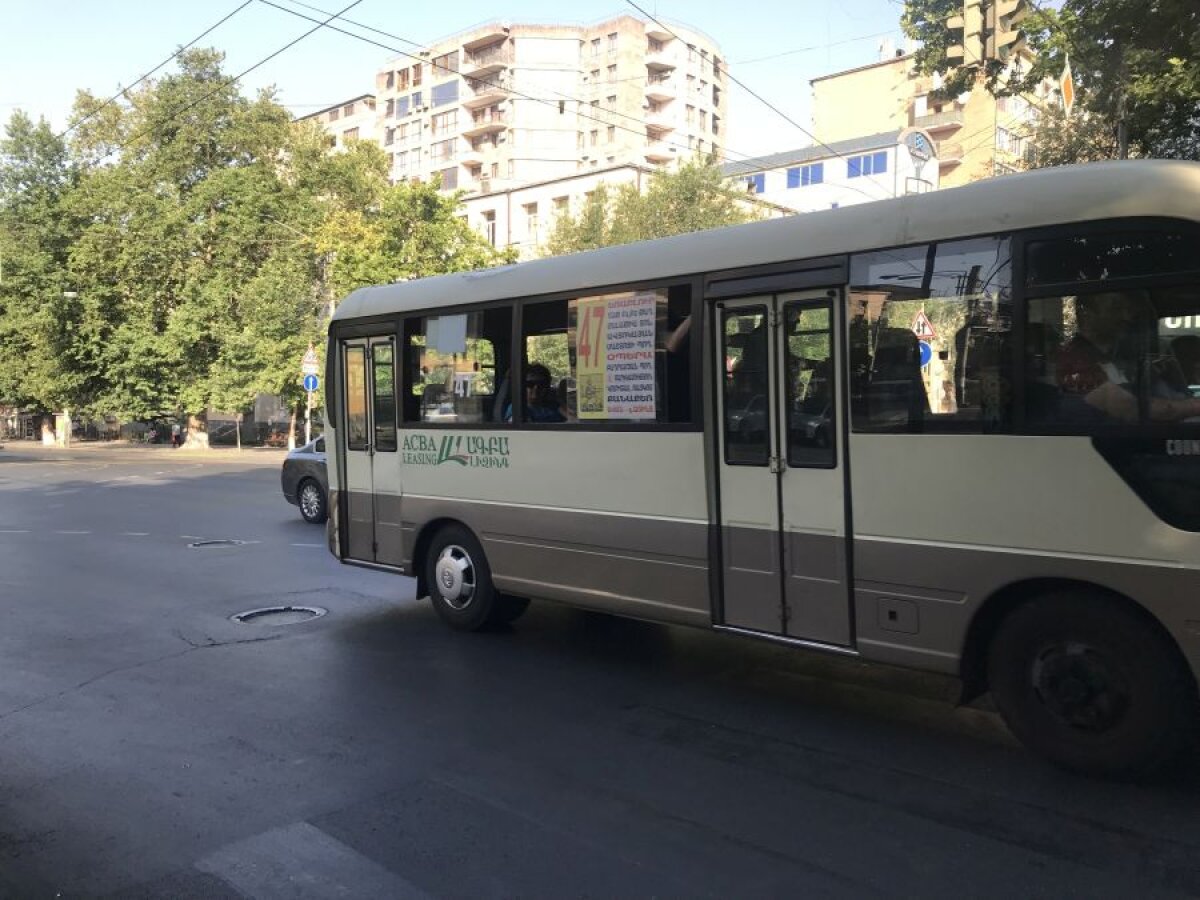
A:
[(151, 747)]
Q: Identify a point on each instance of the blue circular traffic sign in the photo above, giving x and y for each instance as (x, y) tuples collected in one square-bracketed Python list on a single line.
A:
[(311, 383), (926, 353)]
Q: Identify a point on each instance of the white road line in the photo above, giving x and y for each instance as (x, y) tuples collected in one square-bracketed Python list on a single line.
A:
[(72, 532), (191, 537), (135, 534), (308, 545), (14, 531)]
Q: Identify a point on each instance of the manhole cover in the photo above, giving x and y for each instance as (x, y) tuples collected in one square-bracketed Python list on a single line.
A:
[(279, 615), (224, 542)]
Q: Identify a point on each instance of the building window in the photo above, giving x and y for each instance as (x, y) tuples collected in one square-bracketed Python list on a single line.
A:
[(389, 110), (611, 101), (442, 151), (561, 205), (595, 47), (389, 136), (449, 178), (348, 109), (445, 65), (803, 176), (595, 137), (531, 221), (401, 107), (444, 123), (334, 115), (756, 183), (612, 133), (867, 164), (612, 43), (350, 134), (402, 80), (416, 101), (489, 224), (612, 74), (595, 74), (444, 93), (416, 75)]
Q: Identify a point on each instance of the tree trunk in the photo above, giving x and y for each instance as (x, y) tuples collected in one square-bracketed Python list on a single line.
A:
[(292, 429), (197, 433)]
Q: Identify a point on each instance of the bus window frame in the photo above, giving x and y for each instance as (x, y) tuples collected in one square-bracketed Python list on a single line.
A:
[(695, 373), (1023, 293)]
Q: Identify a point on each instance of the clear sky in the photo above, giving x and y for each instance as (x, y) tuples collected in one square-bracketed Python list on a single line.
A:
[(48, 50)]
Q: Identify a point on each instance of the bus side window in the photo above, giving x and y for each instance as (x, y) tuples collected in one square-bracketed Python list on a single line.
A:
[(454, 364)]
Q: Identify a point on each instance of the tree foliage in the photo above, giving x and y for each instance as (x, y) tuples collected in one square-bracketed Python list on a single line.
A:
[(182, 249), (693, 198), (1136, 67)]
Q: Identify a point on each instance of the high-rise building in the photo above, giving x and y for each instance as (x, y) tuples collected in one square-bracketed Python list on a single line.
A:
[(503, 105)]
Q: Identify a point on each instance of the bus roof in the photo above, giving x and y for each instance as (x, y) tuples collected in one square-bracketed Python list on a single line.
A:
[(1043, 197)]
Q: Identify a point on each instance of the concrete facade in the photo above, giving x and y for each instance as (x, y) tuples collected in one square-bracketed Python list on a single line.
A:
[(844, 173), (977, 135), (353, 119)]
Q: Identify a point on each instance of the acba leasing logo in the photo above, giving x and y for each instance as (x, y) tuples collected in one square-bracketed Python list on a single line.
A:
[(469, 450)]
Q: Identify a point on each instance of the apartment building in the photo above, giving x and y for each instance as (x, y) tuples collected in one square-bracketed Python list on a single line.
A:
[(353, 119), (504, 105), (843, 173), (976, 135)]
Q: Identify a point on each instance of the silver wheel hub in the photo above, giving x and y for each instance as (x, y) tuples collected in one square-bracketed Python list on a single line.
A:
[(310, 500), (455, 576)]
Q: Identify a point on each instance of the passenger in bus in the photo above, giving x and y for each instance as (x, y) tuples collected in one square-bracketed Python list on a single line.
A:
[(541, 403), (1095, 367)]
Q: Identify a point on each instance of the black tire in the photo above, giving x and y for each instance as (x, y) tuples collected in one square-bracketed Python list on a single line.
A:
[(461, 590), (310, 497), (1091, 684)]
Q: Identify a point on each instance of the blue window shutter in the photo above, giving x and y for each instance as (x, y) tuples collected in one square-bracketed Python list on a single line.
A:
[(443, 93), (760, 182), (793, 177), (854, 167), (416, 99), (402, 107), (880, 162), (818, 173)]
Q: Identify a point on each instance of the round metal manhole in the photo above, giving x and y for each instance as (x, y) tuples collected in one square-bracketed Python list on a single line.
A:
[(279, 615), (223, 542)]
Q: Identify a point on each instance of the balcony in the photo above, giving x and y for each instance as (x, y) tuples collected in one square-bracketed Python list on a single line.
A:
[(471, 157), (660, 60), (659, 151), (488, 61), (486, 35), (660, 88), (942, 122), (949, 154), (486, 121), (661, 120), (486, 91)]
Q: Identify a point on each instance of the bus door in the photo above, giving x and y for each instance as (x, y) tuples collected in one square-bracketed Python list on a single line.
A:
[(372, 473), (781, 467)]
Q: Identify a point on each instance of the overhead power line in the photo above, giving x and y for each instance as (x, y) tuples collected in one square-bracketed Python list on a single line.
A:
[(130, 87), (745, 157), (749, 90), (228, 81)]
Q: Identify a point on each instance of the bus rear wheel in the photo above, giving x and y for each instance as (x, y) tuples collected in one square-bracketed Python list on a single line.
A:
[(1085, 681), (460, 583)]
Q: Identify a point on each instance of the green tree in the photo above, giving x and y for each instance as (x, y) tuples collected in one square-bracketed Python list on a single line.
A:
[(1136, 68), (45, 361), (692, 198)]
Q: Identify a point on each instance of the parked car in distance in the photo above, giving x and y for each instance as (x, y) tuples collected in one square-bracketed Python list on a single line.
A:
[(305, 481)]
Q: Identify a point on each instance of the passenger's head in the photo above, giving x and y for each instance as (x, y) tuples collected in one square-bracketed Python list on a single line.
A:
[(537, 383)]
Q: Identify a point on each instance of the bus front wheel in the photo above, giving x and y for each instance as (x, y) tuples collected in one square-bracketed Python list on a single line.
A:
[(1087, 682), (460, 583)]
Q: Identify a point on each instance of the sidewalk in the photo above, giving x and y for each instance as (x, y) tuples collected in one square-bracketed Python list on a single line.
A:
[(158, 452)]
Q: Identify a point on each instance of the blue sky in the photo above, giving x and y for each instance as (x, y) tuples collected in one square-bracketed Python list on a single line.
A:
[(48, 50)]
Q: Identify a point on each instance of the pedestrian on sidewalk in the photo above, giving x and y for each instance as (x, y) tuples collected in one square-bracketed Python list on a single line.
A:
[(175, 436)]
